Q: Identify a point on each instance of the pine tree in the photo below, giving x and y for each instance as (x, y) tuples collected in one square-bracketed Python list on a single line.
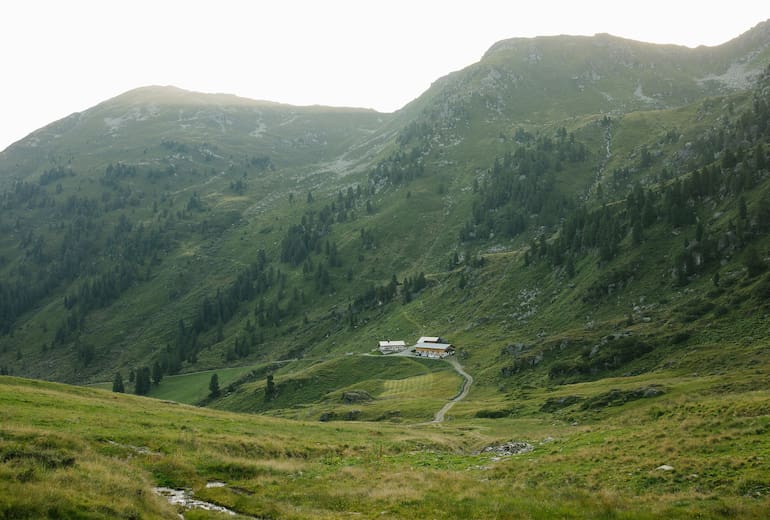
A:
[(157, 373), (142, 385), (270, 388), (214, 386), (117, 384)]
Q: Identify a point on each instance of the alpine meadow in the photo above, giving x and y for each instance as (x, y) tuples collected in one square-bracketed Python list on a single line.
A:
[(539, 290)]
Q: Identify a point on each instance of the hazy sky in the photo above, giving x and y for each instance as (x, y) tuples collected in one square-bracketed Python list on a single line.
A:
[(59, 57)]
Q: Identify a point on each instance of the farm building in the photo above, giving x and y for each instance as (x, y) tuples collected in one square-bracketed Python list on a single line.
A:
[(434, 350), (430, 339), (389, 347)]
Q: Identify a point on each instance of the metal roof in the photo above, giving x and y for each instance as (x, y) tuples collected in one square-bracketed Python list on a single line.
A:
[(434, 346), (392, 343)]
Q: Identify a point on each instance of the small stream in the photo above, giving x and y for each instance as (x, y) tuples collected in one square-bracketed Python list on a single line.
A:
[(184, 498)]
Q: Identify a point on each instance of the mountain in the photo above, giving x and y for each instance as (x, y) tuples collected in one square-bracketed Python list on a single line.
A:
[(554, 78), (133, 124), (584, 218), (547, 195)]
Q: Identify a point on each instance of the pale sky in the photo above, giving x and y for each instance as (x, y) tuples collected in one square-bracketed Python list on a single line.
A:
[(58, 57)]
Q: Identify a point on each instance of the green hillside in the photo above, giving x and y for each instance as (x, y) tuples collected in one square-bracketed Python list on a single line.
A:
[(585, 219), (511, 204)]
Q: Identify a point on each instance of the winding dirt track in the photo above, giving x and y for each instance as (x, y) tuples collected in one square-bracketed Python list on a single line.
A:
[(467, 382)]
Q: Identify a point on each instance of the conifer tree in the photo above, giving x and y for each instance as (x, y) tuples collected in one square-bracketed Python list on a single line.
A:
[(117, 384), (270, 388), (214, 386), (157, 373), (142, 384)]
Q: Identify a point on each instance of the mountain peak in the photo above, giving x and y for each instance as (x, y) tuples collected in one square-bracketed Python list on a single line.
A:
[(172, 95)]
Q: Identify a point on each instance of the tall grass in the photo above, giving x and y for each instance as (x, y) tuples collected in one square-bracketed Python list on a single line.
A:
[(75, 452)]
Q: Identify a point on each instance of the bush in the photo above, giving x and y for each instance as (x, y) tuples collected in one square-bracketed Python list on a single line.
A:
[(680, 337), (492, 414)]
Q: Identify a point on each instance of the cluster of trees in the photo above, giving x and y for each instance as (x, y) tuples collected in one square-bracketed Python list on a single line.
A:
[(70, 246), (300, 243), (261, 163), (400, 167), (252, 282), (174, 146), (684, 202), (98, 263), (522, 185), (413, 285), (25, 195), (24, 287), (603, 229), (119, 171), (301, 240), (215, 312), (54, 174), (130, 249), (582, 231), (242, 346), (407, 162), (377, 295), (142, 378), (732, 141), (418, 132), (104, 260), (307, 236)]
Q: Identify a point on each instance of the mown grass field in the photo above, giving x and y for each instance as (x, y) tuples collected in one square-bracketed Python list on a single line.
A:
[(394, 388)]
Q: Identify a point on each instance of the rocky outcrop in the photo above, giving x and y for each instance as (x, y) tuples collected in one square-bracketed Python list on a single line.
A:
[(508, 448)]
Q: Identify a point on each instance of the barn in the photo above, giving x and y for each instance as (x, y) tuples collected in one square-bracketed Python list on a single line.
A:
[(434, 350), (390, 347)]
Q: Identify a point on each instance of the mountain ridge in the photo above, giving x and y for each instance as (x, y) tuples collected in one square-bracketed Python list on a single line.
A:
[(758, 35), (325, 192)]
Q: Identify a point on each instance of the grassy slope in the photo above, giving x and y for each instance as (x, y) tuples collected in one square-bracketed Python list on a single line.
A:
[(598, 456), (299, 141), (506, 303), (67, 442), (304, 144)]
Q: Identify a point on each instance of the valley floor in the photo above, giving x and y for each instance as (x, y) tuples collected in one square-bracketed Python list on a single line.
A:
[(692, 451)]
